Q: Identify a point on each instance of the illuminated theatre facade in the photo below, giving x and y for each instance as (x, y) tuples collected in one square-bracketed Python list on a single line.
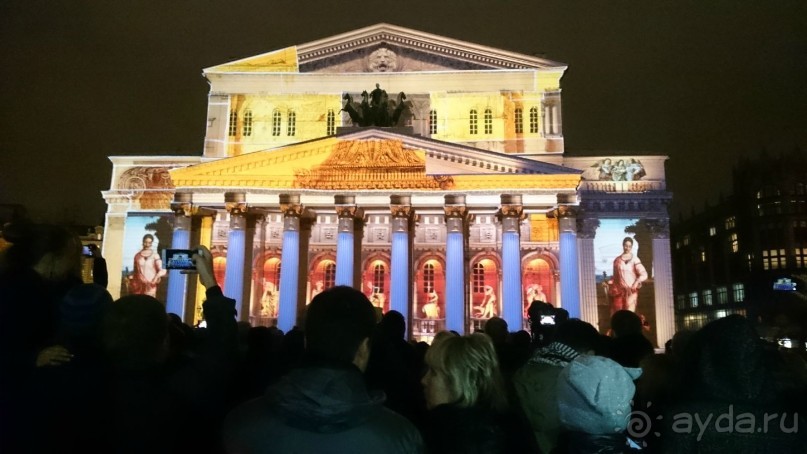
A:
[(462, 206)]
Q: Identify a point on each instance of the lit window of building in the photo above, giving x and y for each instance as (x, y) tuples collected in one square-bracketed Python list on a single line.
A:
[(706, 296), (800, 254), (473, 126), (519, 120), (233, 130), (428, 278), (686, 240), (712, 231), (739, 292), (329, 277), (730, 221), (291, 130), (693, 299), (379, 272), (478, 278), (276, 118), (680, 301), (734, 242), (703, 256), (722, 295), (248, 123)]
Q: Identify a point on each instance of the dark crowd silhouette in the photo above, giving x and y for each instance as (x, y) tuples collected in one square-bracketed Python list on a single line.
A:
[(81, 373)]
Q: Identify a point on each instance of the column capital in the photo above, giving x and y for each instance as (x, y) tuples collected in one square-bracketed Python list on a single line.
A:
[(455, 206), (183, 204), (565, 211), (290, 205), (236, 203), (658, 228), (400, 206), (587, 227)]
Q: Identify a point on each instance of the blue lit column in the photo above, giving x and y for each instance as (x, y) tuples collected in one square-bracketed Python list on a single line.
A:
[(456, 212), (569, 268), (236, 206), (289, 262), (400, 278), (511, 213), (345, 265), (178, 282)]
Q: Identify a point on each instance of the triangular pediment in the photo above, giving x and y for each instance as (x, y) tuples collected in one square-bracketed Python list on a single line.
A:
[(386, 48), (376, 159)]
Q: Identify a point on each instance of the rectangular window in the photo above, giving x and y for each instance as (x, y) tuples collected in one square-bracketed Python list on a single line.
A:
[(730, 221), (291, 130), (248, 123), (428, 278), (739, 292), (680, 301), (488, 121), (276, 123), (722, 295), (519, 120), (703, 256), (473, 125), (706, 296), (478, 278), (233, 129), (686, 240), (533, 120), (735, 242), (693, 299), (712, 231), (432, 122), (330, 128)]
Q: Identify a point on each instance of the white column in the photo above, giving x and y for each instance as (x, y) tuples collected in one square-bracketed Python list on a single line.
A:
[(662, 278), (113, 251), (586, 230)]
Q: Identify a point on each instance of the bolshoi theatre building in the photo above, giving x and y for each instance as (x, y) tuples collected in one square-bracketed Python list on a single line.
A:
[(427, 172)]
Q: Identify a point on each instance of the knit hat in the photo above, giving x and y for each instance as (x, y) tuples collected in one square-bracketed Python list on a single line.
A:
[(83, 307), (594, 395)]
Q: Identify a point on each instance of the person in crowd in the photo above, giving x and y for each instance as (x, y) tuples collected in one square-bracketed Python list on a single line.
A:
[(726, 370), (467, 401), (393, 368), (36, 271), (70, 381), (593, 398), (536, 382), (629, 345), (324, 405), (163, 403)]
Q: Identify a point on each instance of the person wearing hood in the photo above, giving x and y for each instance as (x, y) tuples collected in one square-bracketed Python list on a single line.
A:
[(324, 405)]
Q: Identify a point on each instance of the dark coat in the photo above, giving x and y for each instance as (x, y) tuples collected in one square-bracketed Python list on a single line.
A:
[(319, 408), (474, 430)]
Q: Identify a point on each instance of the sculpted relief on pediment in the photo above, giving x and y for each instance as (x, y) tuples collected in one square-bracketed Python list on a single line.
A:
[(387, 58)]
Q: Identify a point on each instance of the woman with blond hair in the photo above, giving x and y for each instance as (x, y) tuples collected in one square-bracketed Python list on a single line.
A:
[(467, 400)]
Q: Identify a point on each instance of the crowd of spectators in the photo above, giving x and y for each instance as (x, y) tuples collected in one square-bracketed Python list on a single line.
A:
[(80, 372)]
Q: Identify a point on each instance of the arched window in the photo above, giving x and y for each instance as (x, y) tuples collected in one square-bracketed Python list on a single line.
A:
[(248, 123), (330, 274), (533, 120), (276, 123), (478, 278), (428, 278), (292, 126), (488, 121), (330, 128), (378, 277), (233, 130), (473, 122), (432, 121)]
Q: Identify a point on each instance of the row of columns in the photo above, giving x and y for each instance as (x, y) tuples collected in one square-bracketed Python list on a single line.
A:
[(457, 218)]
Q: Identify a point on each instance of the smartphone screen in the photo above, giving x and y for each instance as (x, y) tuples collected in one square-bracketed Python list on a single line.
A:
[(178, 259), (547, 319), (86, 251)]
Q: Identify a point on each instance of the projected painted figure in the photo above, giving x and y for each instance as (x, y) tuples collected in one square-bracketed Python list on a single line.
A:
[(629, 273), (148, 269), (431, 308), (534, 293), (269, 300), (488, 307)]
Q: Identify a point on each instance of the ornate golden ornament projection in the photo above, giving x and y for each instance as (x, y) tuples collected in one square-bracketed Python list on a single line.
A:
[(370, 164)]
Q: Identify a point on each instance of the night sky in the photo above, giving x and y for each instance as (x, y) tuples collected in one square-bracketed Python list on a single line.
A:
[(702, 81)]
